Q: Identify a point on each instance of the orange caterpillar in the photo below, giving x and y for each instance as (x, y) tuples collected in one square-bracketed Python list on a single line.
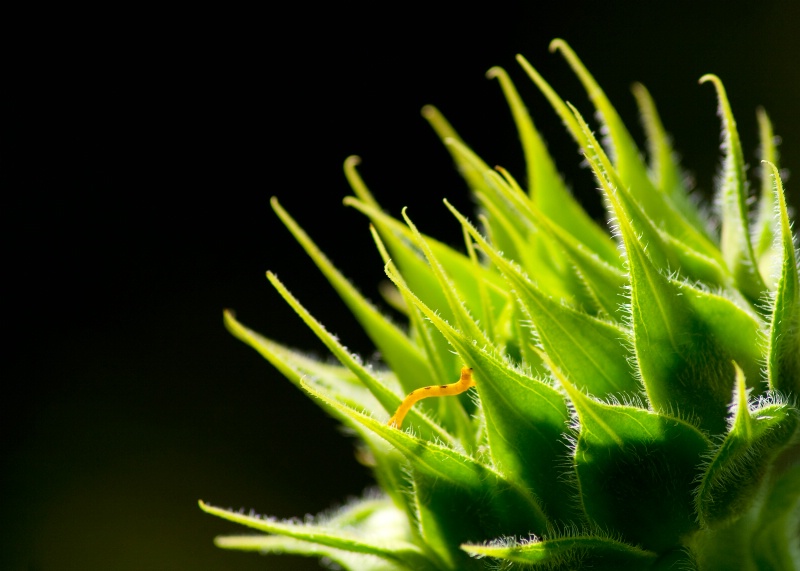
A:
[(460, 386)]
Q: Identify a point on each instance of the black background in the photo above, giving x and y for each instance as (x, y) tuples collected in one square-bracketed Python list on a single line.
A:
[(139, 152)]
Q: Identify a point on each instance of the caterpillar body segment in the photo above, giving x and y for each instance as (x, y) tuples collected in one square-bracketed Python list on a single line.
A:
[(462, 385)]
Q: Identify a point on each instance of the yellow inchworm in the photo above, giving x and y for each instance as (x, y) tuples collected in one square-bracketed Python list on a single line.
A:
[(460, 386)]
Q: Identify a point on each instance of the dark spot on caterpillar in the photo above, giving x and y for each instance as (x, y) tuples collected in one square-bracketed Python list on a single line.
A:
[(458, 387)]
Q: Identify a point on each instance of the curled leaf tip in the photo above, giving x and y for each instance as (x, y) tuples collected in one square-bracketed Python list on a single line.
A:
[(558, 44), (494, 72), (776, 175), (712, 78)]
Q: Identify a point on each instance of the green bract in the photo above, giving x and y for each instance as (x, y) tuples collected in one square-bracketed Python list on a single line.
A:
[(636, 398)]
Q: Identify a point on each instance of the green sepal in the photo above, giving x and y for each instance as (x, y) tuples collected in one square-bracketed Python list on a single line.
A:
[(525, 418), (737, 250), (767, 225), (468, 500), (626, 157), (280, 545), (401, 552), (783, 354), (357, 183), (397, 350), (664, 249), (458, 306), (737, 469), (775, 537), (546, 187), (388, 399), (594, 353), (509, 203), (488, 310), (565, 267), (471, 170), (296, 366), (399, 240), (348, 389), (766, 536), (512, 221), (525, 338), (452, 412), (664, 169), (684, 337), (540, 242), (603, 282), (436, 349), (636, 469), (569, 552), (555, 274), (374, 518)]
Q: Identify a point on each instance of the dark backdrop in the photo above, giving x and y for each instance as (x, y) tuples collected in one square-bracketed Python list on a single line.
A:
[(139, 152)]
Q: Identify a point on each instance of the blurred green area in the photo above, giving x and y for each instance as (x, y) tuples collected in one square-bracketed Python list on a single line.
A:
[(141, 154)]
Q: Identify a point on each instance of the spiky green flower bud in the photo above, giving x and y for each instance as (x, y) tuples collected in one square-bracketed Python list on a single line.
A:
[(635, 400)]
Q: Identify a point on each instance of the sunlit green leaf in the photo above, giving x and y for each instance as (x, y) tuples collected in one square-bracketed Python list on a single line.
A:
[(592, 352), (402, 552), (397, 350), (767, 224), (735, 241), (775, 539), (545, 186), (636, 469), (684, 338), (628, 399), (783, 357), (569, 552), (732, 479), (447, 482), (385, 396), (628, 162), (400, 240), (525, 417)]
